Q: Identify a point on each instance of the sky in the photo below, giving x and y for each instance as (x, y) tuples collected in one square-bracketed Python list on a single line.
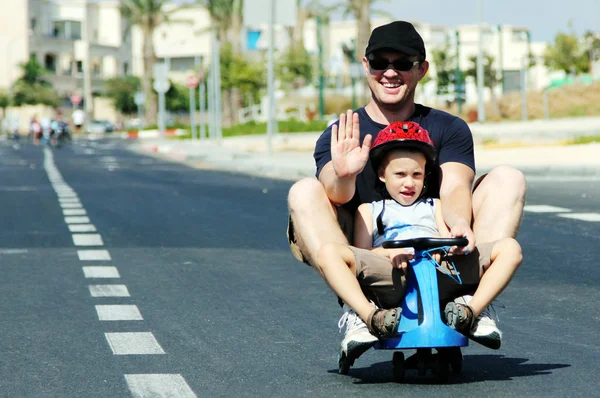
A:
[(544, 18)]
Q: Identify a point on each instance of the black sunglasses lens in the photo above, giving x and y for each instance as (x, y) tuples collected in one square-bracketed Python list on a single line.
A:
[(402, 64), (398, 64), (379, 63)]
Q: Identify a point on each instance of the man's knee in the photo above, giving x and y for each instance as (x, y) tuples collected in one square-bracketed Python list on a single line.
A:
[(304, 193), (507, 176), (501, 184)]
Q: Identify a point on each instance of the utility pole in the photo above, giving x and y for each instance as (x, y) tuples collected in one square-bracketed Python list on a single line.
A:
[(501, 58), (271, 78), (458, 75), (480, 82), (321, 72)]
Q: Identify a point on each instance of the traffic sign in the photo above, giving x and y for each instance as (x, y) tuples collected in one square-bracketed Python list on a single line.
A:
[(76, 99), (161, 86), (139, 98), (192, 81)]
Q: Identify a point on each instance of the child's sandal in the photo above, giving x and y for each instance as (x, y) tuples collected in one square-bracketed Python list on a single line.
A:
[(459, 317), (384, 323)]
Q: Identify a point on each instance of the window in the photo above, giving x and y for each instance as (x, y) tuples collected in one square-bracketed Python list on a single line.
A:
[(125, 68), (70, 30), (33, 24)]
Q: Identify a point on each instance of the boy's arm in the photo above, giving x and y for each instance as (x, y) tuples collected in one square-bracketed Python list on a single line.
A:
[(363, 227)]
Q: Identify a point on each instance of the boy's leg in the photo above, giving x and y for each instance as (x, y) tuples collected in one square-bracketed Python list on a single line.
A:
[(337, 265), (505, 258), (496, 265)]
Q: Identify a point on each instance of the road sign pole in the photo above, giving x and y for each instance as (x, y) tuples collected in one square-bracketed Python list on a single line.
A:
[(201, 89), (193, 112)]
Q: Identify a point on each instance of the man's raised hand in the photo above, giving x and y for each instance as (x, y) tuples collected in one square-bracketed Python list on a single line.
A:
[(347, 156)]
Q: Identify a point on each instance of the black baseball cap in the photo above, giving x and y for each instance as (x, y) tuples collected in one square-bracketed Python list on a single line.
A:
[(399, 36)]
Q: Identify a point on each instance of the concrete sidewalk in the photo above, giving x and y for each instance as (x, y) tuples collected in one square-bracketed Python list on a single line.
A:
[(535, 147), (291, 157)]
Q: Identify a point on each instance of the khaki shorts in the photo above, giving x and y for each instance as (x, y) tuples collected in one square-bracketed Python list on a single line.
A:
[(386, 285)]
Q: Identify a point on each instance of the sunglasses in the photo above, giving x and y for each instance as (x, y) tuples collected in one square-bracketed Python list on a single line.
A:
[(400, 65)]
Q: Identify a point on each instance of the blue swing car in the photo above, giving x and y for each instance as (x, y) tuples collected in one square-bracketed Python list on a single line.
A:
[(424, 330)]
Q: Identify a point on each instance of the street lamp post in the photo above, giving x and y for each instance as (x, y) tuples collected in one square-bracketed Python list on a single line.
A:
[(321, 72), (458, 75), (480, 83)]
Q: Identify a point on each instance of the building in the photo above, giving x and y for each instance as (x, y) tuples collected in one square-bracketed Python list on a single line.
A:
[(64, 35)]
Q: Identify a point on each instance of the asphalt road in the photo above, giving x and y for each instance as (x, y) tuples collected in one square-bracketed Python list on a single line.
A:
[(216, 304)]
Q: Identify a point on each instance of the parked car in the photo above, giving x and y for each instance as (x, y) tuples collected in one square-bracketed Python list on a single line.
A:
[(100, 126)]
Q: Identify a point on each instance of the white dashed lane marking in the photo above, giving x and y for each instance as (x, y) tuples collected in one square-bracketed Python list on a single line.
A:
[(82, 228), (93, 255), (71, 205), (130, 343), (103, 271), (592, 217), (563, 212), (68, 200), (158, 385), (118, 313), (77, 220), (545, 209), (87, 240), (74, 212), (109, 291), (133, 343)]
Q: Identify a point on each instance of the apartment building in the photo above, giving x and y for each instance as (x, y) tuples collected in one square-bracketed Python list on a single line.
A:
[(64, 35)]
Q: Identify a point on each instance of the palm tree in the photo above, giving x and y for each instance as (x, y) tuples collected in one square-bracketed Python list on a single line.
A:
[(147, 15), (226, 21)]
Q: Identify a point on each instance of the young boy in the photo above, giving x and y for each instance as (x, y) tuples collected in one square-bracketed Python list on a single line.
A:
[(403, 154)]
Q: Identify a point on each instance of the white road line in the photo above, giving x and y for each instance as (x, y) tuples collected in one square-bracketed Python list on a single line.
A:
[(68, 200), (74, 205), (67, 195), (103, 271), (82, 228), (77, 220), (87, 240), (93, 255), (119, 313), (74, 212), (109, 291), (545, 209), (158, 385), (593, 217), (133, 343)]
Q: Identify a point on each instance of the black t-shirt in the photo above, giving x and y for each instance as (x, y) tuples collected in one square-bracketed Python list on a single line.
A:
[(450, 134)]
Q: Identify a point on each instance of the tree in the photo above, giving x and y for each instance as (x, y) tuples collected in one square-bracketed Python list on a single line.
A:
[(567, 54), (121, 90), (445, 69), (294, 68), (490, 76), (31, 88), (148, 15), (238, 72), (361, 11)]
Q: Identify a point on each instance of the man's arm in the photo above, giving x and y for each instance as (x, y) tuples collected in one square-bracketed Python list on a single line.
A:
[(348, 158), (339, 190), (455, 197)]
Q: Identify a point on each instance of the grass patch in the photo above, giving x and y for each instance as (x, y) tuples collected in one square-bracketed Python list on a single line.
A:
[(584, 139)]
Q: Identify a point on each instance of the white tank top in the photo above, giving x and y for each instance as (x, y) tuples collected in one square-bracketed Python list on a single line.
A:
[(404, 222)]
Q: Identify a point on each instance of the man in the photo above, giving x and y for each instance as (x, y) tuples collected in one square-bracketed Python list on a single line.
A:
[(322, 209)]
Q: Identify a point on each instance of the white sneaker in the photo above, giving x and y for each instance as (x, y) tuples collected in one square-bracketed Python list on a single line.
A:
[(357, 339), (484, 330)]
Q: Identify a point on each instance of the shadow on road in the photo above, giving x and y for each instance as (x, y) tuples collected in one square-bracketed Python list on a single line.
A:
[(476, 368)]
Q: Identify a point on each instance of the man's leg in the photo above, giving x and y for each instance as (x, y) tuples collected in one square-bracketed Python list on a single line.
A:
[(498, 202), (314, 218)]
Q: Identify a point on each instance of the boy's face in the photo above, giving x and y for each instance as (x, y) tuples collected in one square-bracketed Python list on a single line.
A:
[(403, 173)]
